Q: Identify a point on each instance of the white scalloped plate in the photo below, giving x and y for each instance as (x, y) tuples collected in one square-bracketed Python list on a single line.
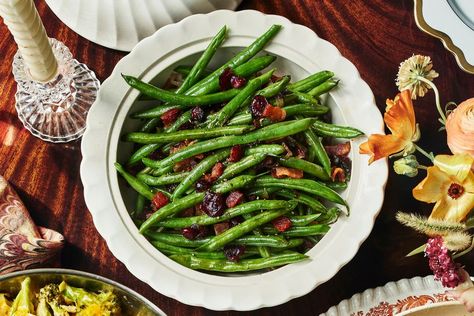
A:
[(352, 103), (121, 24), (416, 296)]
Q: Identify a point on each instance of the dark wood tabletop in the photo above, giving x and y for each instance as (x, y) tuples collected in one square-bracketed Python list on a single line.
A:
[(375, 35)]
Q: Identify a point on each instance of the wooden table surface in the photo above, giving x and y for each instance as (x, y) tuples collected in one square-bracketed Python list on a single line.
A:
[(375, 35)]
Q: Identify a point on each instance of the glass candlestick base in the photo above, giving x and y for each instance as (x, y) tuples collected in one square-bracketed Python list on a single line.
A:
[(56, 110)]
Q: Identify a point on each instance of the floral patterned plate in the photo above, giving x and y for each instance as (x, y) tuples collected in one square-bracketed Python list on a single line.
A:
[(393, 298)]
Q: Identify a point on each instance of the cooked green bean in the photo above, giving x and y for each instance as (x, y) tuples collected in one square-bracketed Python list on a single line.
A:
[(302, 231), (136, 184), (305, 185), (323, 88), (315, 146), (302, 198), (202, 167), (303, 220), (237, 167), (150, 125), (237, 231), (181, 99), (160, 171), (311, 81), (162, 180), (273, 131), (139, 207), (305, 166), (336, 185), (205, 85), (243, 265), (184, 70), (175, 239), (149, 138), (274, 88), (300, 97), (270, 149), (173, 250), (338, 131), (233, 105), (193, 199), (238, 210), (154, 112)]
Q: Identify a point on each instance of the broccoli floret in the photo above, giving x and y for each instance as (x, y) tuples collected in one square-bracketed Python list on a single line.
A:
[(90, 303), (50, 300), (23, 304)]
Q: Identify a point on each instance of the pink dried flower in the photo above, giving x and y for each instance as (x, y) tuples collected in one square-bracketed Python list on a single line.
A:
[(441, 263)]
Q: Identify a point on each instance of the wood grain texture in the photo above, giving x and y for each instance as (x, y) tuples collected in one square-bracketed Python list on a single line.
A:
[(375, 35)]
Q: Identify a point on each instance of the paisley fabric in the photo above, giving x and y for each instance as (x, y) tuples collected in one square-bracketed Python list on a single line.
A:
[(22, 244)]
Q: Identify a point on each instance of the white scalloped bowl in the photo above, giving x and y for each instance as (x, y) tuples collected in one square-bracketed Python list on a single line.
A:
[(300, 52)]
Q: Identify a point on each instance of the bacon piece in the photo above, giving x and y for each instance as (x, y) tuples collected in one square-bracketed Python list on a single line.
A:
[(184, 165), (338, 174), (342, 149), (236, 153), (275, 114), (234, 198), (216, 172), (170, 116), (282, 223), (284, 172), (219, 228), (289, 153), (159, 200)]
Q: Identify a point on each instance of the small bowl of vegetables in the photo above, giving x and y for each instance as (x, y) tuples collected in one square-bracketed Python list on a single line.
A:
[(222, 168), (44, 292)]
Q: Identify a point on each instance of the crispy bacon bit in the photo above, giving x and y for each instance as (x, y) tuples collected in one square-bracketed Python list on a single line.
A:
[(234, 198), (219, 228), (236, 153), (170, 116), (284, 172), (216, 172), (338, 174), (180, 146), (289, 153), (342, 149), (275, 114), (257, 106), (184, 165), (282, 223), (159, 200)]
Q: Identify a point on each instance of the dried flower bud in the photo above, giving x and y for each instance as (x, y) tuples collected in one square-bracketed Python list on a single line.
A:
[(406, 166)]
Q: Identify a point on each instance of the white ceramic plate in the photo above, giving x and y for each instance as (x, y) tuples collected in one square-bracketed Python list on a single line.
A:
[(121, 24), (452, 21), (412, 295), (300, 53)]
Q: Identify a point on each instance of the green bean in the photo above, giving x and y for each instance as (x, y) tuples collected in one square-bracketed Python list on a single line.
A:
[(299, 231), (202, 167), (136, 184), (311, 81), (241, 165), (155, 112), (238, 210), (305, 185), (306, 166), (193, 199), (146, 150), (338, 131), (270, 149), (237, 231), (175, 239), (148, 138), (150, 125), (331, 216), (274, 131), (203, 61), (261, 192), (323, 88), (233, 105), (274, 88), (184, 70), (315, 146), (206, 84), (182, 100), (161, 171), (162, 180), (262, 241), (262, 250), (304, 220), (173, 250), (243, 265), (304, 199), (300, 97), (139, 206), (336, 185)]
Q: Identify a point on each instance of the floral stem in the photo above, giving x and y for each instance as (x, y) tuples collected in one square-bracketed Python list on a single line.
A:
[(438, 104), (462, 253), (423, 152), (422, 167)]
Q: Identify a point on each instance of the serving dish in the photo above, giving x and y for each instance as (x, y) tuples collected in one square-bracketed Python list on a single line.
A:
[(397, 298), (121, 24), (132, 303), (451, 21), (300, 53)]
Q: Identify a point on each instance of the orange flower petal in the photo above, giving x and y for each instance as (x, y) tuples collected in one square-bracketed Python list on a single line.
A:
[(434, 187), (380, 146)]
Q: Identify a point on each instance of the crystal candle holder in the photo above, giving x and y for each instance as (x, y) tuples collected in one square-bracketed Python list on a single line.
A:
[(55, 110)]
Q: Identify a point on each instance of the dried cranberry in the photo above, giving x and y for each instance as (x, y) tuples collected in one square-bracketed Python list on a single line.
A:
[(234, 252), (194, 231), (170, 116), (186, 125), (282, 223), (236, 221), (236, 153), (159, 200), (258, 105), (234, 198), (202, 185), (197, 114), (224, 79), (237, 82), (213, 204)]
